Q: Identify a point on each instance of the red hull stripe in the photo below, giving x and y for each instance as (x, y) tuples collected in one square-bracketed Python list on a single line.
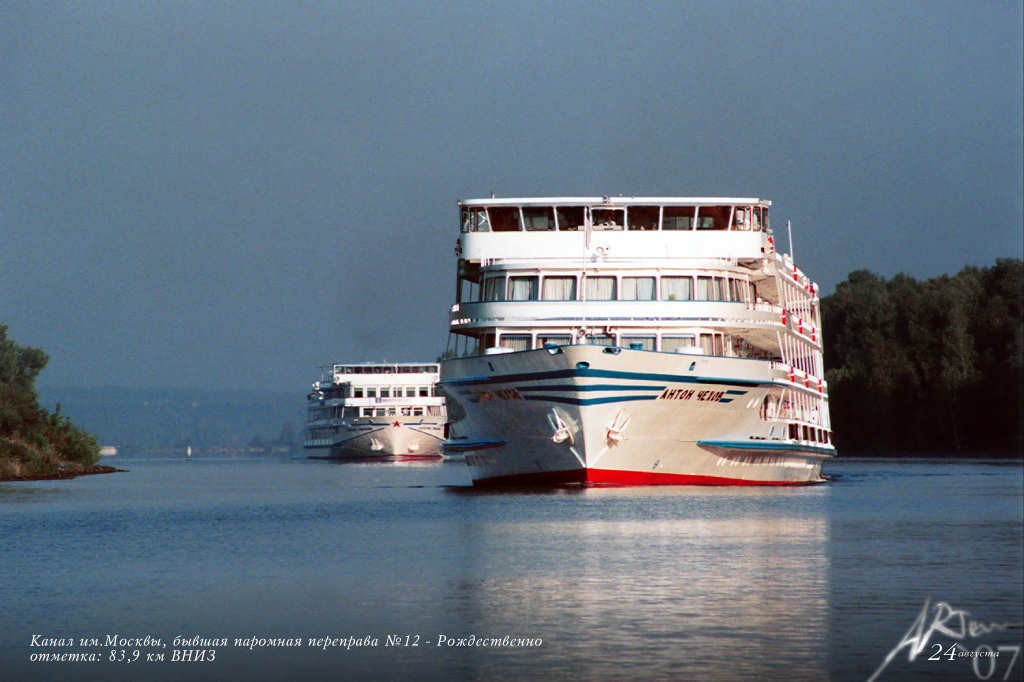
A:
[(608, 477)]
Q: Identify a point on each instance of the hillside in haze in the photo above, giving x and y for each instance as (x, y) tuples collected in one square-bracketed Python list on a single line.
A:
[(134, 419)]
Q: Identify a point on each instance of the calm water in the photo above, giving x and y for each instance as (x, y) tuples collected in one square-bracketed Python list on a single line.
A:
[(817, 583)]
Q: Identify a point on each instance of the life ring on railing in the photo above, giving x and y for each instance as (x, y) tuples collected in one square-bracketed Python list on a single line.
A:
[(602, 251), (581, 333), (771, 244)]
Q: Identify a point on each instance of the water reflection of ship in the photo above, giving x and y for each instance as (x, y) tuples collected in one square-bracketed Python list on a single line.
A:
[(703, 599)]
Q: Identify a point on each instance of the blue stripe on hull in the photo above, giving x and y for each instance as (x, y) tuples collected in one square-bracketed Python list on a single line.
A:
[(598, 374)]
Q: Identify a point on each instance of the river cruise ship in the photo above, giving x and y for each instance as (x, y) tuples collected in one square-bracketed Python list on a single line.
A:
[(632, 341), (383, 410)]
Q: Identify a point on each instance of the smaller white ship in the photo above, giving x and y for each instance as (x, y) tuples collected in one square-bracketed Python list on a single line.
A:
[(376, 410)]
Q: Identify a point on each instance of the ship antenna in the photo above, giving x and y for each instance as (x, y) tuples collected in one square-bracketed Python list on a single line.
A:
[(789, 229)]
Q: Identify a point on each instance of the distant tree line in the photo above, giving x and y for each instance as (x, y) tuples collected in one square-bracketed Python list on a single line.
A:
[(933, 366), (33, 441)]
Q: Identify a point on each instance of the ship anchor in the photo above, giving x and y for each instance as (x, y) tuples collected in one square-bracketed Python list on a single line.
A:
[(614, 434)]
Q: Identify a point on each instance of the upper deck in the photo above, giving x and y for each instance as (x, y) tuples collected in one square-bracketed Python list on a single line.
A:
[(381, 373), (619, 227)]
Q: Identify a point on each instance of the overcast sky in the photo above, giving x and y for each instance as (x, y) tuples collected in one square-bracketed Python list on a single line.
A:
[(230, 194)]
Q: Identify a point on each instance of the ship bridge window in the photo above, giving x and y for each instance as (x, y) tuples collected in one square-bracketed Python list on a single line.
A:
[(494, 288), (677, 288), (607, 218), (475, 220), (741, 219), (713, 217), (559, 289), (637, 289), (523, 288), (670, 344), (504, 218), (638, 342), (600, 288), (760, 218), (643, 217), (539, 218), (678, 218), (570, 218)]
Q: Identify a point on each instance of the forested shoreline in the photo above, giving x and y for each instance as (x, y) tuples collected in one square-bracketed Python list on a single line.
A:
[(35, 443), (927, 367)]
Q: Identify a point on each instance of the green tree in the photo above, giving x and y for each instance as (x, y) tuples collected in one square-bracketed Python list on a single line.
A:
[(34, 442), (933, 366)]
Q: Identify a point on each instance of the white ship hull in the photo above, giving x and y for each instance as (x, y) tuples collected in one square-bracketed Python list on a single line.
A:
[(386, 438), (592, 415)]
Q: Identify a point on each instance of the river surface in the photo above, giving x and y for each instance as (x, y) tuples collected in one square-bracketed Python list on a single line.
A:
[(404, 572)]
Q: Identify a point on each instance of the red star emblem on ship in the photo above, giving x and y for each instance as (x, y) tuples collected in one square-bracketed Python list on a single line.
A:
[(396, 424)]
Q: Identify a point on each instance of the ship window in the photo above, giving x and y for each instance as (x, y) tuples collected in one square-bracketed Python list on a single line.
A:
[(678, 218), (570, 218), (516, 341), (637, 289), (669, 344), (713, 217), (417, 411), (760, 218), (677, 288), (741, 219), (643, 217), (385, 391), (357, 392), (538, 219), (600, 288), (735, 290), (494, 288), (522, 288), (601, 339), (704, 291), (424, 391), (719, 290), (505, 218), (707, 344), (545, 340), (371, 392), (474, 220), (559, 289), (638, 342), (607, 218)]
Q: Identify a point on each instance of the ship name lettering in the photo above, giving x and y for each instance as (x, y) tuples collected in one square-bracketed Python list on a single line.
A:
[(676, 394), (710, 396)]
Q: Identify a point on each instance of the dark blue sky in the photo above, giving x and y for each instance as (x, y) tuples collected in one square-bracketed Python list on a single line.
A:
[(230, 194)]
